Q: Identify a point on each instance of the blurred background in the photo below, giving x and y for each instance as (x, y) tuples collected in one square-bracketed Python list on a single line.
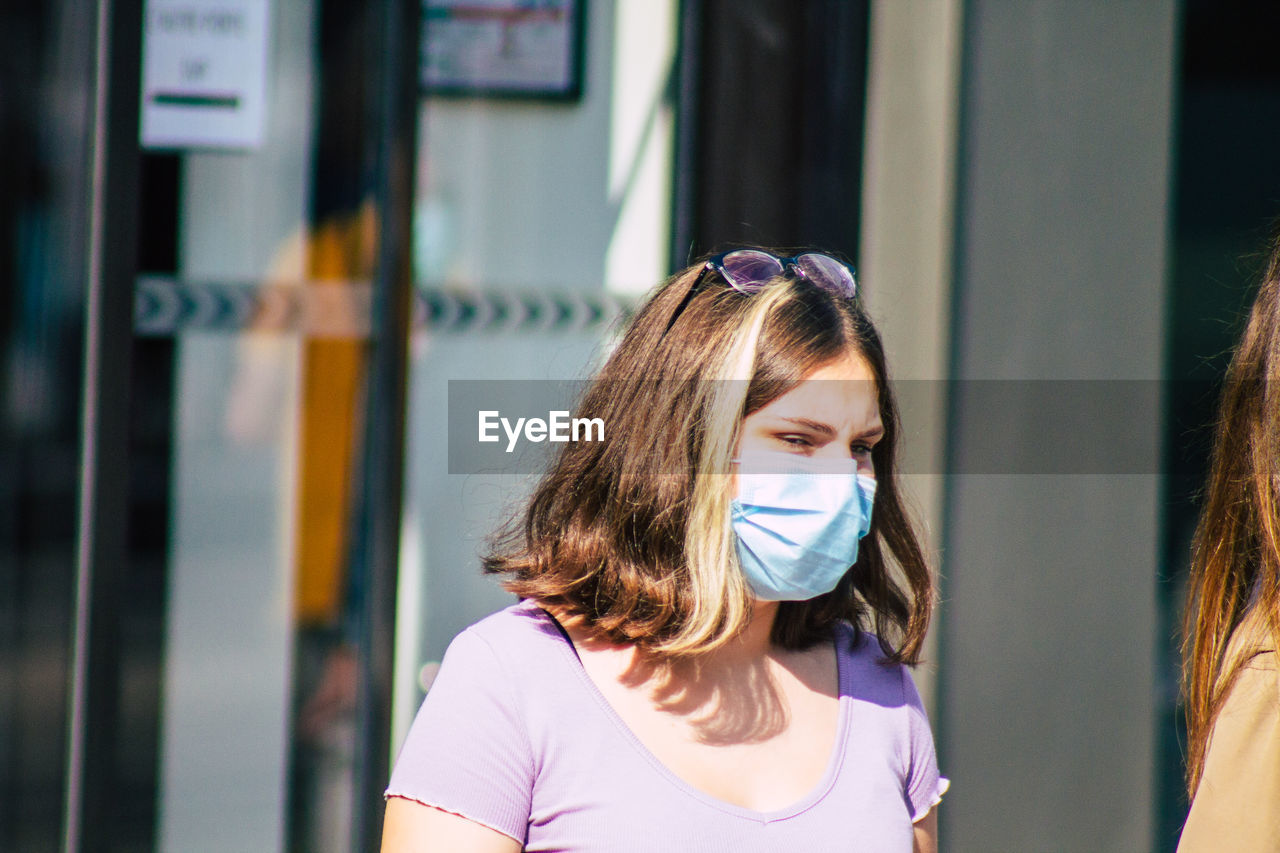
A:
[(246, 244)]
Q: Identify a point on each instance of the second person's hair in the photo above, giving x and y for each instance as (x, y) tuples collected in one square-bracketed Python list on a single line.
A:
[(1233, 599)]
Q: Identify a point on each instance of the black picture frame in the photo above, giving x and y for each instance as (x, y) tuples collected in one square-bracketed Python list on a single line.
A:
[(505, 49)]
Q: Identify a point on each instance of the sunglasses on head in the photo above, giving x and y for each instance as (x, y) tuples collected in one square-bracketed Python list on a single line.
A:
[(749, 270)]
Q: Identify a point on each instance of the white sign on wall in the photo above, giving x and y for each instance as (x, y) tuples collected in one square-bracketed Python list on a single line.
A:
[(204, 73)]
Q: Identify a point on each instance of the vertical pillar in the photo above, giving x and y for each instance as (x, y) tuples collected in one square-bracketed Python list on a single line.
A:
[(102, 519), (1047, 699), (908, 208)]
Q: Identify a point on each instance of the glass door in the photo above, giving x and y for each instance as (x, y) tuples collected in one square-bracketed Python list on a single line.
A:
[(203, 643), (284, 318)]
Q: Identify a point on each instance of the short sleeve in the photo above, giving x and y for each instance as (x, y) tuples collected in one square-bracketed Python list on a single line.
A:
[(1239, 792), (468, 750), (925, 786)]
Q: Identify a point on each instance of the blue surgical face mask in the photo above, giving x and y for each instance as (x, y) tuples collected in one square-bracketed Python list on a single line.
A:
[(798, 521)]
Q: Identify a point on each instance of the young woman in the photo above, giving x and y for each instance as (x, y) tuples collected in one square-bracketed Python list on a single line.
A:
[(708, 654), (1233, 606)]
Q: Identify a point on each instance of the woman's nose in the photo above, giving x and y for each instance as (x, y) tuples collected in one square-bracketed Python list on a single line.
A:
[(843, 456)]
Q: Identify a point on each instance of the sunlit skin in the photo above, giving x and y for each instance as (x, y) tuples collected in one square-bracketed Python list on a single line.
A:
[(751, 724), (834, 415)]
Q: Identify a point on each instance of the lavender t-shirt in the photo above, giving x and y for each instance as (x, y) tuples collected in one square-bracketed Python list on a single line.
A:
[(514, 735)]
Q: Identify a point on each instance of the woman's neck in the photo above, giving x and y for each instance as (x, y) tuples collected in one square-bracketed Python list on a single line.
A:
[(754, 644)]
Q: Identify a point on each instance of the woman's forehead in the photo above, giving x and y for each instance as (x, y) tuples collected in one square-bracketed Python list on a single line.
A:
[(849, 367), (839, 392)]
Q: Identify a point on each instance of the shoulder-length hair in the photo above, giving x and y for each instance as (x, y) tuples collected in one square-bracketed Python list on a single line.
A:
[(1233, 598), (632, 534)]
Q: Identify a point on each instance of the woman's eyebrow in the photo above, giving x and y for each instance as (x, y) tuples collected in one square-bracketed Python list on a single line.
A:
[(815, 426)]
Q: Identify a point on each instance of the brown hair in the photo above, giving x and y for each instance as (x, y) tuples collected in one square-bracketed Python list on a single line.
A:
[(1233, 600), (632, 533)]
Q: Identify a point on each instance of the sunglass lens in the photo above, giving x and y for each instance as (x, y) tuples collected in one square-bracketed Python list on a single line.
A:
[(828, 273), (748, 270)]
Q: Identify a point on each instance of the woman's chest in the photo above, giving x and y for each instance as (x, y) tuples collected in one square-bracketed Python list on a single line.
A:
[(758, 737), (811, 774), (761, 753), (600, 788)]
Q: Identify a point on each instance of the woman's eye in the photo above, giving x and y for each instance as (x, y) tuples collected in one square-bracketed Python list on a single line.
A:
[(861, 449), (796, 440)]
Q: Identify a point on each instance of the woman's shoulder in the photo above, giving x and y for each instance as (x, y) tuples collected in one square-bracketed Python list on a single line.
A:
[(1258, 684), (1266, 660), (891, 715), (504, 659), (1257, 680), (865, 674), (521, 620), (1241, 780), (1252, 635), (520, 633)]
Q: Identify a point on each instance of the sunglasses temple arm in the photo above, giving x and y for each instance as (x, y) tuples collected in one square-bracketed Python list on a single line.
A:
[(688, 297)]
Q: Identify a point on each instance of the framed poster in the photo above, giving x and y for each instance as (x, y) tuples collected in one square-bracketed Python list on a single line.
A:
[(502, 48), (204, 73)]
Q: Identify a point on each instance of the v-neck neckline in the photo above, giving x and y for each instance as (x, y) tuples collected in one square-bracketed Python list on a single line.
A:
[(815, 795)]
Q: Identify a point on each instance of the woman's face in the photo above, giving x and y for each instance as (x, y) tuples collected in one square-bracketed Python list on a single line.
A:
[(834, 413)]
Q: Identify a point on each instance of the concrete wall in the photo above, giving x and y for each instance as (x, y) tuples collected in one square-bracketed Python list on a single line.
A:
[(1048, 634), (908, 208)]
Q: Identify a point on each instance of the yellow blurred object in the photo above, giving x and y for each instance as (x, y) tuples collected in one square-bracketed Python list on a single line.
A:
[(341, 251)]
